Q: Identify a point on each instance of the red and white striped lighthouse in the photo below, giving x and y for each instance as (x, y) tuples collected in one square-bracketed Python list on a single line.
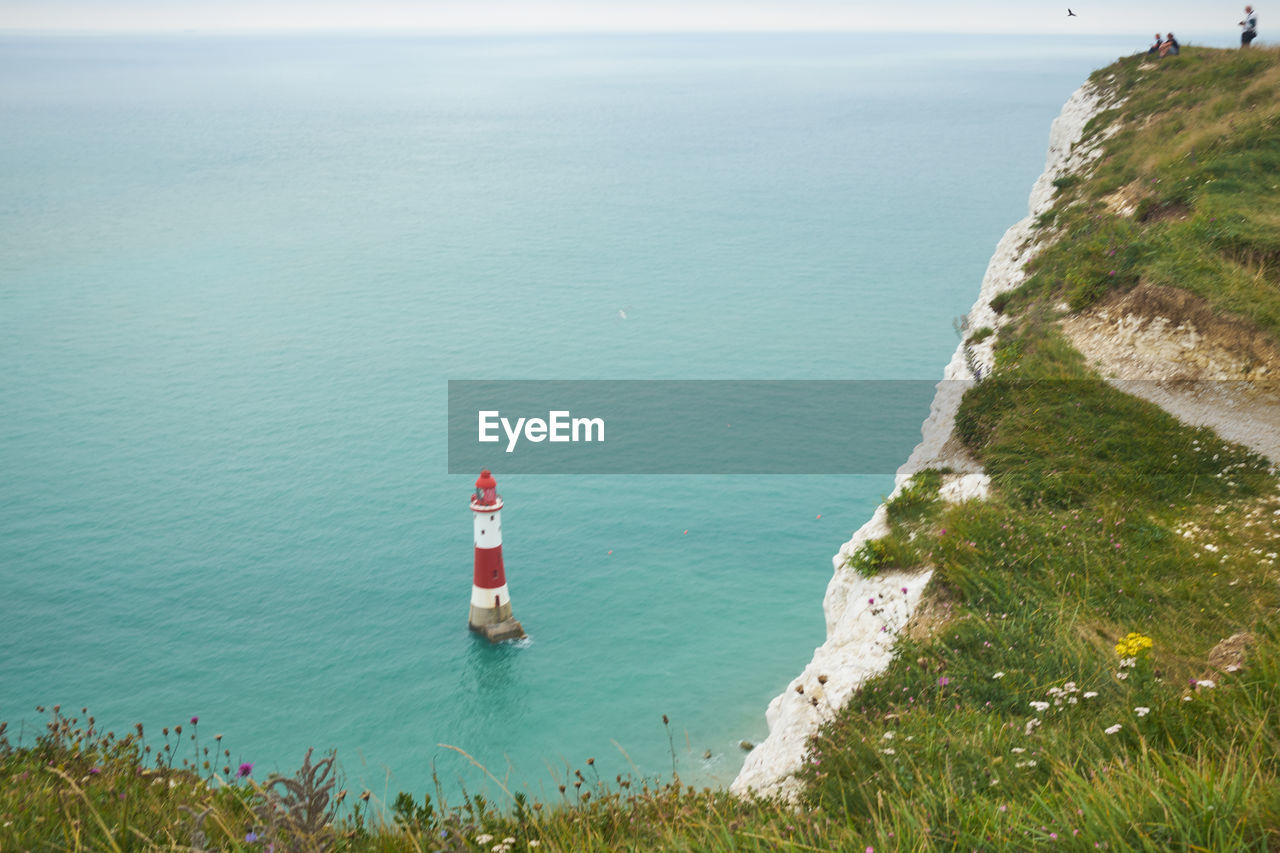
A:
[(490, 600)]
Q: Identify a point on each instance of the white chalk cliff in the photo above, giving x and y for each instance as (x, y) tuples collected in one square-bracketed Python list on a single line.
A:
[(865, 615)]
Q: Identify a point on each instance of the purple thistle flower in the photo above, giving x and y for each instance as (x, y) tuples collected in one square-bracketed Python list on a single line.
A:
[(195, 720), (244, 770), (943, 681)]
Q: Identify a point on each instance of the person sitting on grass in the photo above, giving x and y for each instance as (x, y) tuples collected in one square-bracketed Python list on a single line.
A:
[(1155, 47), (1169, 47)]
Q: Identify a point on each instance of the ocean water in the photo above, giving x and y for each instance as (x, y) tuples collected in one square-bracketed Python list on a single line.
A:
[(237, 273)]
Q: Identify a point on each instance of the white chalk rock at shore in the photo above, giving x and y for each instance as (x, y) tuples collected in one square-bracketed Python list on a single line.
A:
[(865, 615), (859, 646)]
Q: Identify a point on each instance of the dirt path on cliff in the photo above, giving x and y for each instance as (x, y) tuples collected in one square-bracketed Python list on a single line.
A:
[(1169, 347)]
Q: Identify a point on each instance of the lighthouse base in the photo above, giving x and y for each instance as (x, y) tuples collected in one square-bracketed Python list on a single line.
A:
[(497, 632), (495, 623), (481, 616)]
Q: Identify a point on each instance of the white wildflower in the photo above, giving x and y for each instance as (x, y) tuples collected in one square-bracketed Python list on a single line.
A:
[(1205, 682), (1113, 729), (1031, 726), (1089, 694), (998, 675), (888, 735), (484, 838), (1018, 749), (1141, 711), (1122, 675), (1040, 706), (508, 840), (533, 842), (888, 750), (1030, 762)]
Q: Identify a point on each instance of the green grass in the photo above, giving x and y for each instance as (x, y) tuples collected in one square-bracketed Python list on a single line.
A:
[(1107, 517), (1198, 154)]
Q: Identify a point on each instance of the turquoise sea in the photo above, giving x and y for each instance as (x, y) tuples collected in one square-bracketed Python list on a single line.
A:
[(236, 274)]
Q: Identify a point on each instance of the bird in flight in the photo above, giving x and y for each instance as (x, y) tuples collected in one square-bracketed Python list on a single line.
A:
[(1071, 14)]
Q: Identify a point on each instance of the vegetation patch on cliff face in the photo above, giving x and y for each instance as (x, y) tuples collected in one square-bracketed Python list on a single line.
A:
[(1106, 674)]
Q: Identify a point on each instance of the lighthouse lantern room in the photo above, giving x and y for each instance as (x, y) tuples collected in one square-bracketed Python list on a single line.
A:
[(490, 600)]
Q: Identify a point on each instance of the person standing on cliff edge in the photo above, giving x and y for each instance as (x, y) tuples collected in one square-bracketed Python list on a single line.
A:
[(1250, 24)]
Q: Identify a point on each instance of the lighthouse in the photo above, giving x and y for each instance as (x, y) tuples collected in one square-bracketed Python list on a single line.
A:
[(490, 601)]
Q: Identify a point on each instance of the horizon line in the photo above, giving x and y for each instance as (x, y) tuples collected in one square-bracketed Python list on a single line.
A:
[(524, 31)]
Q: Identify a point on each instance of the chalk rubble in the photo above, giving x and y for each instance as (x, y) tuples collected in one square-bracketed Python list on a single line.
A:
[(865, 615)]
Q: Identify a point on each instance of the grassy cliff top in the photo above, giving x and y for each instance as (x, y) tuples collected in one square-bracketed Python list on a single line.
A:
[(1098, 664), (1187, 191)]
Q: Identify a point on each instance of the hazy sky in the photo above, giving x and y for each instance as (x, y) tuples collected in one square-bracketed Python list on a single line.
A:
[(1204, 20)]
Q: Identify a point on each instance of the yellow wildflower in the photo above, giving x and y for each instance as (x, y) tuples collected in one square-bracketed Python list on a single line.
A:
[(1132, 644)]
